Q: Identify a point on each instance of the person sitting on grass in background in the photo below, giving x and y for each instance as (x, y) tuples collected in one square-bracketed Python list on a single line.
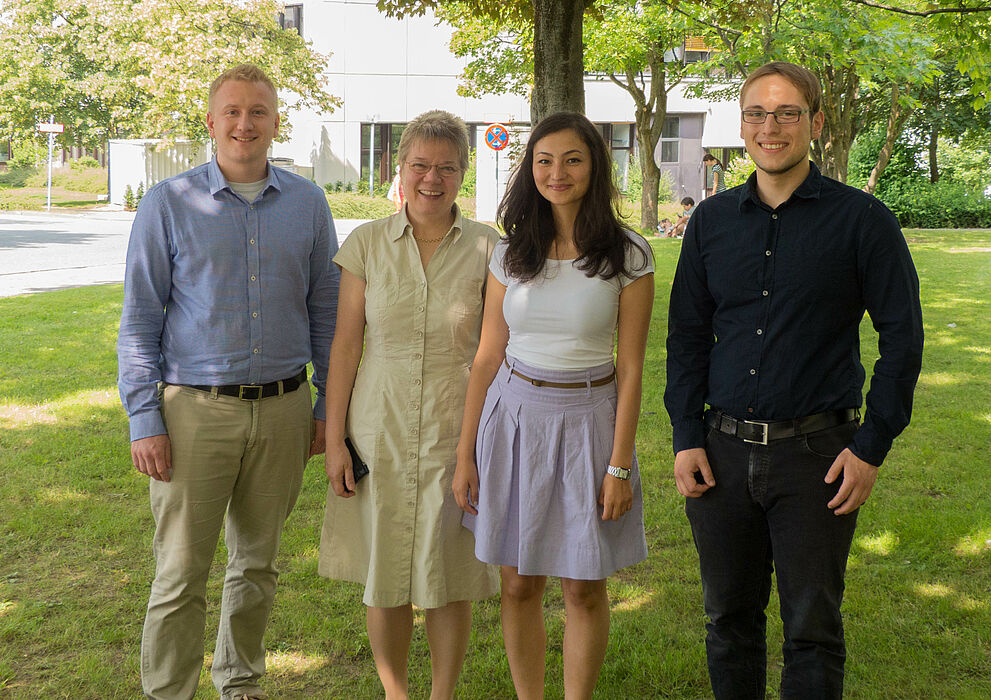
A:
[(664, 227), (678, 230)]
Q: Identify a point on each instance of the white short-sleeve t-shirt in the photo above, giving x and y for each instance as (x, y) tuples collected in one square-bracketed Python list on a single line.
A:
[(563, 319)]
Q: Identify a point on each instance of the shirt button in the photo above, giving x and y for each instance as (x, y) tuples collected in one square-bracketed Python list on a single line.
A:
[(760, 331), (252, 241), (767, 252), (256, 351), (253, 278), (254, 315), (753, 371), (765, 292), (774, 216)]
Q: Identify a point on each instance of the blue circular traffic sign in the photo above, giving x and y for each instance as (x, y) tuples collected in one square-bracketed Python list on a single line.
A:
[(497, 137)]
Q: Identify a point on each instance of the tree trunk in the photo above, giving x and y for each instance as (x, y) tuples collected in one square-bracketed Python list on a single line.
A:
[(649, 123), (933, 164), (651, 177), (558, 69), (897, 116), (839, 94)]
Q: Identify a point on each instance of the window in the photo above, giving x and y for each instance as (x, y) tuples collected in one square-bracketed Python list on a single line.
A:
[(670, 135), (381, 157), (291, 17)]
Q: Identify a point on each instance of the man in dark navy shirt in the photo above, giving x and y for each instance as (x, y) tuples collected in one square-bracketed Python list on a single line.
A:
[(774, 278)]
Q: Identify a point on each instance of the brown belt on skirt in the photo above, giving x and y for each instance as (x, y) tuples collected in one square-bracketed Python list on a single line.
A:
[(602, 381)]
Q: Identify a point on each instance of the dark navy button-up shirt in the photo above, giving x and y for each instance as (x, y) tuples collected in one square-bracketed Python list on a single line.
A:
[(766, 307), (219, 290)]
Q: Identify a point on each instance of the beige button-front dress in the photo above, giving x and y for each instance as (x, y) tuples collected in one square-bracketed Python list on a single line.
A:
[(401, 534)]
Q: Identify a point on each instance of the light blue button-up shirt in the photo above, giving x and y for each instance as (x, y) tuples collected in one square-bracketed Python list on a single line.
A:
[(219, 290)]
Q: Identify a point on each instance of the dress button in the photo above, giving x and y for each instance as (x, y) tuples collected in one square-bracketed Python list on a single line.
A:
[(416, 382)]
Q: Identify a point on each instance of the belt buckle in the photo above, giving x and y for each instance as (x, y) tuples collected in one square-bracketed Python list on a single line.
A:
[(256, 388), (763, 439)]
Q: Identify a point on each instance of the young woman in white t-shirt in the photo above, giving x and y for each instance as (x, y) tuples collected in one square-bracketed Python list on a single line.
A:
[(546, 471)]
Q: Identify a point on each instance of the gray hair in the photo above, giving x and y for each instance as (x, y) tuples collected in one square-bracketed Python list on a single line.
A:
[(436, 125)]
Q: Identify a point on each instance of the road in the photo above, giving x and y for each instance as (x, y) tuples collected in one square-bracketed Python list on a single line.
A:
[(40, 252)]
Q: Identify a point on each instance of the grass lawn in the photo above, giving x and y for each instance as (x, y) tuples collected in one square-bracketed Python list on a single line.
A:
[(75, 530)]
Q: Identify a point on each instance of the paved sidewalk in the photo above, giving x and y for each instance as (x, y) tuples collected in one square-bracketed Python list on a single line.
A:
[(41, 252)]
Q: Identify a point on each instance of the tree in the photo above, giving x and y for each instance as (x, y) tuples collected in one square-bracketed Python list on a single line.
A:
[(558, 73), (141, 68), (630, 41), (850, 53)]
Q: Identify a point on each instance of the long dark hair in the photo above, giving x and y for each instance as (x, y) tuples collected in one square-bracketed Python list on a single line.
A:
[(527, 219)]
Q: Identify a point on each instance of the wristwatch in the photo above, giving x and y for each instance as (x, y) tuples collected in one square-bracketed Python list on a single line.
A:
[(620, 472)]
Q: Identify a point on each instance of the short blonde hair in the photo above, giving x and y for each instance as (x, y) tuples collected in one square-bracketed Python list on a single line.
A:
[(246, 73), (436, 125)]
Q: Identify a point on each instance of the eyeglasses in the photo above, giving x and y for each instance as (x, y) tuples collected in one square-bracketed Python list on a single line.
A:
[(781, 116), (445, 171)]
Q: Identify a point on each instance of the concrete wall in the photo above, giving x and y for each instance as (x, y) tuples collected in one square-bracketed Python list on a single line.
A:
[(147, 161)]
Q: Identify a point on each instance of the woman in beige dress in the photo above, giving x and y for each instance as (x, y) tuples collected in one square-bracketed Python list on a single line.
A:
[(410, 311)]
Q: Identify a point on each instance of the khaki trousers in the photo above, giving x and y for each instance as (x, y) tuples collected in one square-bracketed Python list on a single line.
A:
[(244, 459)]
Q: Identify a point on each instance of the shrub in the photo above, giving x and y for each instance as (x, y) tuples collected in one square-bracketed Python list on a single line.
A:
[(128, 198), (27, 154), (920, 204), (353, 206), (90, 180), (84, 163), (139, 194), (468, 184), (738, 170), (16, 177)]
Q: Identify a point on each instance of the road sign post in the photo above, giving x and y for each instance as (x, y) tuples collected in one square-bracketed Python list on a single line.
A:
[(51, 128), (497, 138)]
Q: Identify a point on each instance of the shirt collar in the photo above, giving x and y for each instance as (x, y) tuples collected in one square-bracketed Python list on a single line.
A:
[(810, 188), (219, 182), (400, 223)]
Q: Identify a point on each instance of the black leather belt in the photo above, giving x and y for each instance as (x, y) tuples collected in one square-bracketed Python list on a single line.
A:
[(253, 392), (763, 432)]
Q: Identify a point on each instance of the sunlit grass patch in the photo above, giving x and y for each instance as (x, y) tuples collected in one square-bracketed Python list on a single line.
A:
[(882, 544), (76, 531)]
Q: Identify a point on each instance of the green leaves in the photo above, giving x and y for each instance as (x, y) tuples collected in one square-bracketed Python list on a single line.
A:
[(142, 68)]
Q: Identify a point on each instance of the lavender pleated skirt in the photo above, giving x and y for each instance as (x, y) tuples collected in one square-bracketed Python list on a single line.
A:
[(542, 454)]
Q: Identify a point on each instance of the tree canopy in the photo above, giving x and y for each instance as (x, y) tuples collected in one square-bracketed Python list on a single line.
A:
[(141, 68)]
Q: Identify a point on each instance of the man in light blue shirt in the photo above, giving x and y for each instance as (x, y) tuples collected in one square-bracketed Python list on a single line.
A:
[(229, 292)]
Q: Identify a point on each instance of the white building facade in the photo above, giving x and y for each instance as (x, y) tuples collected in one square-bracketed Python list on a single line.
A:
[(388, 71)]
